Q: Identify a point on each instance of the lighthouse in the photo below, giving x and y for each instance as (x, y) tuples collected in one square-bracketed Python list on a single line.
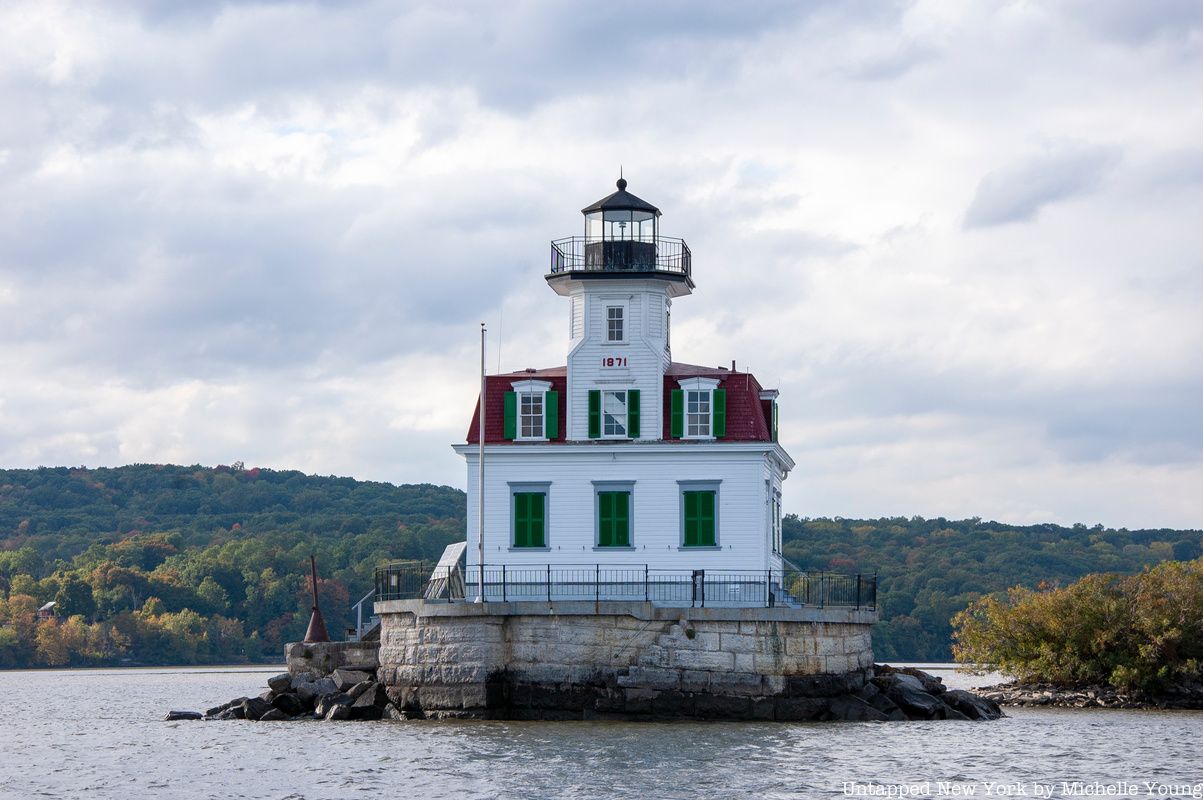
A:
[(622, 459), (629, 516)]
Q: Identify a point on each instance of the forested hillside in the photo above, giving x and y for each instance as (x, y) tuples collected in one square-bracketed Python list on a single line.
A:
[(167, 564), (930, 569), (161, 564)]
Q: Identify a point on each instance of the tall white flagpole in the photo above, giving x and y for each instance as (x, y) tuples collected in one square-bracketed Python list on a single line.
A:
[(480, 480)]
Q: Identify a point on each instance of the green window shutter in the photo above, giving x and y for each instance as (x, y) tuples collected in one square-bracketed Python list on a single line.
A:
[(706, 519), (594, 414), (691, 519), (529, 518), (719, 428), (774, 420), (622, 519), (633, 413), (521, 515), (509, 416), (613, 519), (699, 519), (605, 519), (677, 417), (538, 518), (551, 415)]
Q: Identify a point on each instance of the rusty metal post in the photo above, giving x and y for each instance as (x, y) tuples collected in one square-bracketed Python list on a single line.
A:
[(316, 632)]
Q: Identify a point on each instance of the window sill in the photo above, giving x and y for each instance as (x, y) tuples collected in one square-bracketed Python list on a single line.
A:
[(603, 548), (700, 547), (514, 549), (531, 439)]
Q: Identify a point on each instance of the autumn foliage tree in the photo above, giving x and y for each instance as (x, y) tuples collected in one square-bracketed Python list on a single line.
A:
[(1141, 632)]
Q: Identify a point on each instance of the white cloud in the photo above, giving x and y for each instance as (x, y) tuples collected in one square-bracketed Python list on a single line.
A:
[(961, 238)]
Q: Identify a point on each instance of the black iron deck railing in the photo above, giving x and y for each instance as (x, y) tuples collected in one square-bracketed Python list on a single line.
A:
[(552, 582), (581, 254)]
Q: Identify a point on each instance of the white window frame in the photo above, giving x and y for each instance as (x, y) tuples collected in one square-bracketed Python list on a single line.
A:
[(626, 433), (621, 319), (698, 386), (528, 388)]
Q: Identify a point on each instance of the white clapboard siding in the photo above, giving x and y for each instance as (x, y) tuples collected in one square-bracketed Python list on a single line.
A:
[(644, 351), (745, 474)]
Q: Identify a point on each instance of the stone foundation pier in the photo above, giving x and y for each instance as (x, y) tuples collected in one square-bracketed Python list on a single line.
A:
[(581, 660)]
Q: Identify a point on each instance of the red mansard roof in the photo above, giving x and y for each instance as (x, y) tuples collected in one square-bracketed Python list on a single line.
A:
[(749, 419)]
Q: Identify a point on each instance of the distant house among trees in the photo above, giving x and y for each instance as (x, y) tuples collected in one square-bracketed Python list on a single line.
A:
[(47, 611)]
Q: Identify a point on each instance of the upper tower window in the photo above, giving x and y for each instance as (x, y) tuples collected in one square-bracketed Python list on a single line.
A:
[(615, 332)]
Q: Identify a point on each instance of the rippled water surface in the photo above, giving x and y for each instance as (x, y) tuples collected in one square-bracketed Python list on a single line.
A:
[(99, 734)]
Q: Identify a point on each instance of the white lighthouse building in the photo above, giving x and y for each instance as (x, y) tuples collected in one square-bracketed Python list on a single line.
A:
[(628, 560), (623, 461)]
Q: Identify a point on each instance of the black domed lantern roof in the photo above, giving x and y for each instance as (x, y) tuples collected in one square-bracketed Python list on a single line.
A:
[(622, 200)]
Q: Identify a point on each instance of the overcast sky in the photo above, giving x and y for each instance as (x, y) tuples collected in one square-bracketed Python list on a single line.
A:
[(965, 240)]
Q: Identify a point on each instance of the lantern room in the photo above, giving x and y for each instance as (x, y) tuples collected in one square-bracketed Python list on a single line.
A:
[(622, 235), (620, 232)]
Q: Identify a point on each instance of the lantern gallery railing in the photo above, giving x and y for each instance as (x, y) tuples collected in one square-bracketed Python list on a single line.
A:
[(582, 254), (665, 587)]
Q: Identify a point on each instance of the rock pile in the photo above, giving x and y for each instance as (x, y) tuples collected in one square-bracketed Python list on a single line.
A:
[(1092, 696), (346, 694), (878, 695), (909, 693)]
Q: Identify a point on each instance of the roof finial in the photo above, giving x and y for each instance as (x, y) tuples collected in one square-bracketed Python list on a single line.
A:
[(622, 183)]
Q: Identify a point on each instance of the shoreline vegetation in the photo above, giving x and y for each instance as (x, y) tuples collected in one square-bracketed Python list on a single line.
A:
[(1105, 641), (159, 564)]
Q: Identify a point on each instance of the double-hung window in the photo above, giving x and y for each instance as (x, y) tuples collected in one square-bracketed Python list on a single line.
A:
[(530, 415), (697, 413), (531, 412), (699, 409), (614, 414), (615, 318)]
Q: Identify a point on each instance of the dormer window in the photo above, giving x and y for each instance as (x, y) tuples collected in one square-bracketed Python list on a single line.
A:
[(697, 414), (531, 412), (530, 415), (699, 410)]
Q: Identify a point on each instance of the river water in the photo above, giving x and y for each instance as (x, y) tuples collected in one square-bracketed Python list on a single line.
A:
[(100, 734)]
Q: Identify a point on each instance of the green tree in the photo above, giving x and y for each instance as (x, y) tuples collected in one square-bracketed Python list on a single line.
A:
[(75, 597)]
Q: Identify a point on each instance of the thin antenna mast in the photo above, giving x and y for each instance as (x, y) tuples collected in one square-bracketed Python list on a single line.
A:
[(500, 333)]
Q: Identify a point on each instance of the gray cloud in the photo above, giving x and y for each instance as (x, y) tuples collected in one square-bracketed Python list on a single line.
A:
[(1018, 192), (267, 231)]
